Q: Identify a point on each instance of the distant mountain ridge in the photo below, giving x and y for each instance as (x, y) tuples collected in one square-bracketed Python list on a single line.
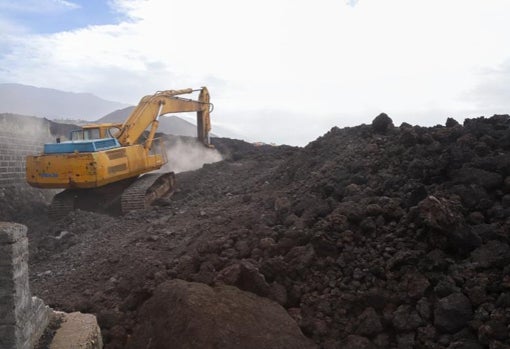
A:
[(51, 103), (78, 108)]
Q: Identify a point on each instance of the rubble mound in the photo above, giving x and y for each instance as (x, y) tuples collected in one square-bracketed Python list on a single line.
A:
[(26, 205), (392, 237), (190, 315)]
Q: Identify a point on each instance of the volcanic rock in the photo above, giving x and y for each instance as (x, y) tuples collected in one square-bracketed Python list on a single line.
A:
[(191, 315), (369, 323), (246, 276), (452, 313), (357, 342), (493, 254), (382, 123)]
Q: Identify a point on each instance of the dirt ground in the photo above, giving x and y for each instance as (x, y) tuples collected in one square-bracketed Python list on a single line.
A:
[(371, 237)]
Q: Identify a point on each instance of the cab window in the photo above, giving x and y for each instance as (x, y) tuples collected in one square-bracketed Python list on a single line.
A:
[(77, 135), (87, 134), (91, 133)]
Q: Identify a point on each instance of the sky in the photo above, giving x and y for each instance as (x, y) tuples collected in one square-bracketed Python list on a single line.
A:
[(279, 71)]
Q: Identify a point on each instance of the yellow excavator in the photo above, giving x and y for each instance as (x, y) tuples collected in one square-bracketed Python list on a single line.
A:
[(103, 167)]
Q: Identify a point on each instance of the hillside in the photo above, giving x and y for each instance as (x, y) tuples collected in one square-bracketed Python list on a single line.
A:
[(51, 103), (373, 236)]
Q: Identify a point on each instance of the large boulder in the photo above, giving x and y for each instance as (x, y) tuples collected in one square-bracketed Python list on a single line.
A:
[(493, 254), (184, 315), (452, 313), (382, 123), (246, 276)]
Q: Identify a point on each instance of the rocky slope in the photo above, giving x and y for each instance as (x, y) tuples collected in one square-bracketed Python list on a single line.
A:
[(371, 237)]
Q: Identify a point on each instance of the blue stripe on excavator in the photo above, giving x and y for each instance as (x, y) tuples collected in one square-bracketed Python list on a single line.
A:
[(81, 146)]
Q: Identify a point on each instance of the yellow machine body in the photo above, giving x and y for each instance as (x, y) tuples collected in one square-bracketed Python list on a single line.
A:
[(92, 169), (76, 163)]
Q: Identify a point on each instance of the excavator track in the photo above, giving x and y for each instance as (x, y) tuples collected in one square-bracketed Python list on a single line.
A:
[(61, 205), (116, 198), (145, 190)]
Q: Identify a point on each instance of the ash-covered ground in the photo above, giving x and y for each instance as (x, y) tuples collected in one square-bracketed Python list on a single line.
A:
[(370, 237)]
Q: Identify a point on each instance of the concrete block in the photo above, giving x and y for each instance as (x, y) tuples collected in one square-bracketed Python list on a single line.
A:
[(7, 341), (23, 317), (41, 315), (15, 253), (78, 331), (12, 232)]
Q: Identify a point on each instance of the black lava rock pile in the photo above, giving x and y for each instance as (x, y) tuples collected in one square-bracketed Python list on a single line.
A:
[(382, 237), (373, 236)]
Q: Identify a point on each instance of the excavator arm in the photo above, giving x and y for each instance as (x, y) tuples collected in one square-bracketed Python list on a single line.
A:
[(151, 107)]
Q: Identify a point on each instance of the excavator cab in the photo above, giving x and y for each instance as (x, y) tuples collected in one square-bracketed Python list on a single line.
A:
[(95, 131)]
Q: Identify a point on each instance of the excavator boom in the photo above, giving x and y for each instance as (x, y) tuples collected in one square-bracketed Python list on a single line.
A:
[(150, 108)]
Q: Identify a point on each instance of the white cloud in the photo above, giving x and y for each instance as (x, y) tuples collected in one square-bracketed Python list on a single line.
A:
[(307, 60), (8, 27), (493, 88), (67, 4)]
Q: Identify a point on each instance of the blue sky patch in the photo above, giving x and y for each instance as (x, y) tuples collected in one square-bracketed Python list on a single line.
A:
[(51, 16)]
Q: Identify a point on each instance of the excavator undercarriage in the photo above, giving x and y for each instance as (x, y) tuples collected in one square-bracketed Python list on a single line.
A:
[(116, 198)]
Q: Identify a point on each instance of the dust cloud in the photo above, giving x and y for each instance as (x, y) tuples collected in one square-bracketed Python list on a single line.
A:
[(187, 156), (27, 127)]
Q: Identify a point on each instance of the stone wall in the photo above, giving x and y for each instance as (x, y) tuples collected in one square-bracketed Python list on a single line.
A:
[(23, 317), (19, 137)]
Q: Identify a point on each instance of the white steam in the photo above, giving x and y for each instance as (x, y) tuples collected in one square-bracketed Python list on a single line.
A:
[(188, 156)]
